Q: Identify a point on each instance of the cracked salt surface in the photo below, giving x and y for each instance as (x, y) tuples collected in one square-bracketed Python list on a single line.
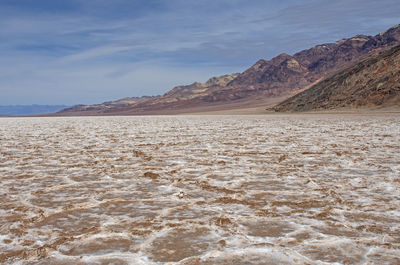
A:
[(284, 189)]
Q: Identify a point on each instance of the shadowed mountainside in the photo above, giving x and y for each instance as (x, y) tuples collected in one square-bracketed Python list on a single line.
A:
[(373, 83), (265, 83)]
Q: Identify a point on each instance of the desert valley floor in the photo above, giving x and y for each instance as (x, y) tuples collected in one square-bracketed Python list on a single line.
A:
[(264, 189)]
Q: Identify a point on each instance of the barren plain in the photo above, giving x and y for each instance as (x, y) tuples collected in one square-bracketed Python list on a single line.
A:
[(270, 189)]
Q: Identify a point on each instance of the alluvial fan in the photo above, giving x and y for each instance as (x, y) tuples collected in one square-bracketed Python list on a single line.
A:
[(281, 189)]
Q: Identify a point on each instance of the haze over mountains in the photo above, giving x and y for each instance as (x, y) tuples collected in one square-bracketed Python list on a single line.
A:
[(264, 84), (12, 110)]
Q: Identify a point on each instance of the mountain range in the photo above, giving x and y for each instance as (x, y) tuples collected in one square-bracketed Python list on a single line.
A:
[(266, 83), (17, 110)]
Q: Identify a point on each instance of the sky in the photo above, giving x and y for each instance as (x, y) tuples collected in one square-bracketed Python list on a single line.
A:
[(91, 51)]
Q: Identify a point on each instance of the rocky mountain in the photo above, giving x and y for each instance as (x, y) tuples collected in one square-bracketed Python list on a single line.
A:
[(265, 82), (197, 88), (373, 83), (109, 105)]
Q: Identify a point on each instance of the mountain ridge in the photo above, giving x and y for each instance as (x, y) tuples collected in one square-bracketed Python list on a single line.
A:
[(282, 76), (372, 83)]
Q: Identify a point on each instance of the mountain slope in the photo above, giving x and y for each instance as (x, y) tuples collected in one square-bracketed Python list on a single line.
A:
[(263, 83), (372, 83), (109, 105)]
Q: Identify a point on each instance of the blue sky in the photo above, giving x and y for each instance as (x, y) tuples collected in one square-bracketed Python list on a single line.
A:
[(90, 51)]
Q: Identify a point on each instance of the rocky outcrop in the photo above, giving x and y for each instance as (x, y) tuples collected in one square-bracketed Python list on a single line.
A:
[(197, 89), (373, 84)]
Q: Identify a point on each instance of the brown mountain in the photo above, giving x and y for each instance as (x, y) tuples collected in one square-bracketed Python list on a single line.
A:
[(265, 83), (373, 83), (109, 105)]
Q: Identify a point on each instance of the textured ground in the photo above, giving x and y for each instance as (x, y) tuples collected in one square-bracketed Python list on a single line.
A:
[(278, 189)]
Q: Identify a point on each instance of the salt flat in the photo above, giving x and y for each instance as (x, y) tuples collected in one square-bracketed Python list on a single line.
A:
[(274, 189)]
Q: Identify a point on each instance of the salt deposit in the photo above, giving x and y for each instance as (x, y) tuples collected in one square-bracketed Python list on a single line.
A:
[(282, 189)]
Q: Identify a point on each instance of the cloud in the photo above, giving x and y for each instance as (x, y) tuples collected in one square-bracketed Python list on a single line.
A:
[(94, 84), (92, 51), (95, 53)]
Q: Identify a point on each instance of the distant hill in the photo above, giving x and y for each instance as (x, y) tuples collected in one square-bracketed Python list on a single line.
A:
[(15, 110), (265, 83), (371, 84)]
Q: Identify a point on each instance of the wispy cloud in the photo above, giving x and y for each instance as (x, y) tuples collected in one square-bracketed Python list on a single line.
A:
[(88, 51)]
